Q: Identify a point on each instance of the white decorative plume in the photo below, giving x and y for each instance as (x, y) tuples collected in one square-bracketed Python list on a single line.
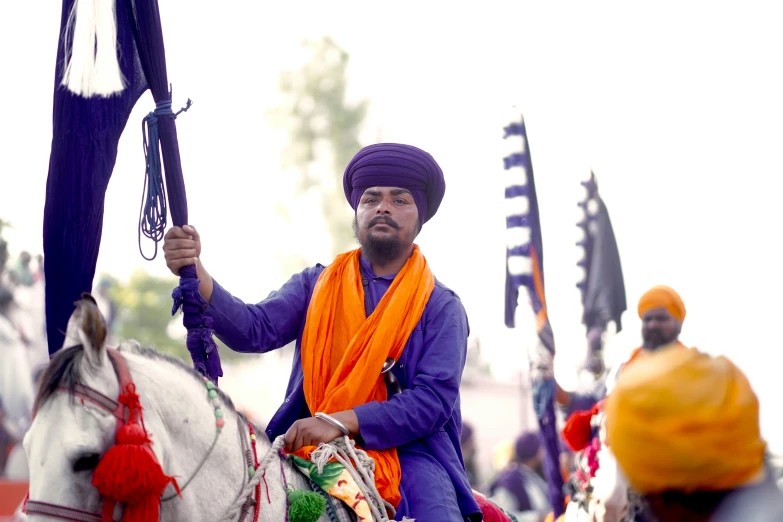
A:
[(92, 68)]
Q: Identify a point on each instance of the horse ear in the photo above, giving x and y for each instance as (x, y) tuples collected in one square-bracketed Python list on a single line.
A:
[(88, 297), (88, 328)]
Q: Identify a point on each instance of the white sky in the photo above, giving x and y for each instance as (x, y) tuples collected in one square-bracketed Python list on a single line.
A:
[(675, 106)]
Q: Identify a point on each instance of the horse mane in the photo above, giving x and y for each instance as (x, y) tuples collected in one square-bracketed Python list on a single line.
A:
[(151, 353), (64, 371)]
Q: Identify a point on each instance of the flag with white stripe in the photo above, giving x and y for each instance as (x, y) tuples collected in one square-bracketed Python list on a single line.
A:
[(524, 249), (525, 270)]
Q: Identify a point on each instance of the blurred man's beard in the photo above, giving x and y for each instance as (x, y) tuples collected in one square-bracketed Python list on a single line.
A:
[(656, 339)]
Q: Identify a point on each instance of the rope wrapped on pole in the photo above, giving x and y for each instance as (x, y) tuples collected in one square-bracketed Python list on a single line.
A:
[(200, 343), (152, 216)]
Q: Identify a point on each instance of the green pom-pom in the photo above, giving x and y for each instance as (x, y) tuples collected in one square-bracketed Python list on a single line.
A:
[(305, 506)]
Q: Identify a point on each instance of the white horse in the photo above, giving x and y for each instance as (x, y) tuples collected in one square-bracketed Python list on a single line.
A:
[(70, 434)]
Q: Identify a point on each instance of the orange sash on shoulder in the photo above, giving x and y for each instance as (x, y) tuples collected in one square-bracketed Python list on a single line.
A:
[(343, 351), (578, 428), (639, 351)]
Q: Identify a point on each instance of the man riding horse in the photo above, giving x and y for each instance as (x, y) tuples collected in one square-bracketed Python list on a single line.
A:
[(375, 309), (662, 312), (598, 487)]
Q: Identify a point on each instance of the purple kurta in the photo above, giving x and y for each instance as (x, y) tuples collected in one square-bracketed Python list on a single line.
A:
[(423, 422), (583, 401)]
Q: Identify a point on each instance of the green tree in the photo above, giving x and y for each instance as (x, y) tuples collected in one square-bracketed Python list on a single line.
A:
[(321, 122), (144, 314)]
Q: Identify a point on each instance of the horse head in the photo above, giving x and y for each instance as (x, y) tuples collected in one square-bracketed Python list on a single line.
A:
[(69, 434), (196, 434)]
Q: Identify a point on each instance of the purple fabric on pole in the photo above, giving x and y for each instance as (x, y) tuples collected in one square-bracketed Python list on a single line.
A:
[(84, 148), (85, 135), (200, 343), (543, 397)]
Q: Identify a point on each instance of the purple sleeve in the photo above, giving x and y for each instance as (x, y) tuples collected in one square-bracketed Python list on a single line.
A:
[(427, 404), (581, 402), (268, 325)]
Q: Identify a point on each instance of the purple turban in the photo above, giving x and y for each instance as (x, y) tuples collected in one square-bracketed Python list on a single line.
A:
[(396, 165), (527, 445)]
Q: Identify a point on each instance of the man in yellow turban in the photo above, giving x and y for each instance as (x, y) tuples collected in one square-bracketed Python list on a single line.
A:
[(684, 428), (662, 312)]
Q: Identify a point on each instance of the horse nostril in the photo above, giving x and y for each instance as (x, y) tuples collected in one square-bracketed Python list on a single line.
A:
[(86, 462)]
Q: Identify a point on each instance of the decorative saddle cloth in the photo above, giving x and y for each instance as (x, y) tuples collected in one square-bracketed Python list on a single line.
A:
[(347, 503)]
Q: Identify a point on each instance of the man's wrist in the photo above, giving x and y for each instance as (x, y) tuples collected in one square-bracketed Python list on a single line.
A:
[(329, 419), (206, 285), (348, 419)]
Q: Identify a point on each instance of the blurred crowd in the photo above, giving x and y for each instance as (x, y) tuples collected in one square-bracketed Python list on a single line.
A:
[(517, 482), (23, 349), (23, 352)]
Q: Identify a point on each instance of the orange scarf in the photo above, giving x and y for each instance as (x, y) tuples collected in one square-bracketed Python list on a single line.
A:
[(578, 429), (639, 351), (342, 349)]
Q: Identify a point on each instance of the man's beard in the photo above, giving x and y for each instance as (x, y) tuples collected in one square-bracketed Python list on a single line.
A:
[(657, 339), (378, 249)]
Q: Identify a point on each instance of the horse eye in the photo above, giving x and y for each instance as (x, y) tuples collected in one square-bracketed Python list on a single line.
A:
[(86, 462)]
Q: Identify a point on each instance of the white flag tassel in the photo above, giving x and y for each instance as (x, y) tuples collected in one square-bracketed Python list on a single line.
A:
[(92, 67)]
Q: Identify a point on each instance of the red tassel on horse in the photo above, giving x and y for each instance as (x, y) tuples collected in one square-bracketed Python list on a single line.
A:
[(577, 430), (489, 510), (129, 472)]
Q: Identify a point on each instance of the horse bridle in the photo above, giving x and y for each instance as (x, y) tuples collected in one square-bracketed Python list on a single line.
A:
[(85, 393)]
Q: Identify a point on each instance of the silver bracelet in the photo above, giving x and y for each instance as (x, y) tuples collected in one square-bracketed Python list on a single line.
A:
[(334, 422)]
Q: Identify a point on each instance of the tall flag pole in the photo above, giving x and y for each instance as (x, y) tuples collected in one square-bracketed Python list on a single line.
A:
[(603, 287), (525, 269)]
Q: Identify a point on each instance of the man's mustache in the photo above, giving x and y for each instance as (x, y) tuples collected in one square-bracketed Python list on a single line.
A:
[(383, 219)]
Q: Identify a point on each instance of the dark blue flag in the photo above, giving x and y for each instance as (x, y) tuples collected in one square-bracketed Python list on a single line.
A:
[(603, 287)]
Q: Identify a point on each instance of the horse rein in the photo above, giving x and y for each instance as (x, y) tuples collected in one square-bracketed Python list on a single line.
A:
[(85, 393)]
